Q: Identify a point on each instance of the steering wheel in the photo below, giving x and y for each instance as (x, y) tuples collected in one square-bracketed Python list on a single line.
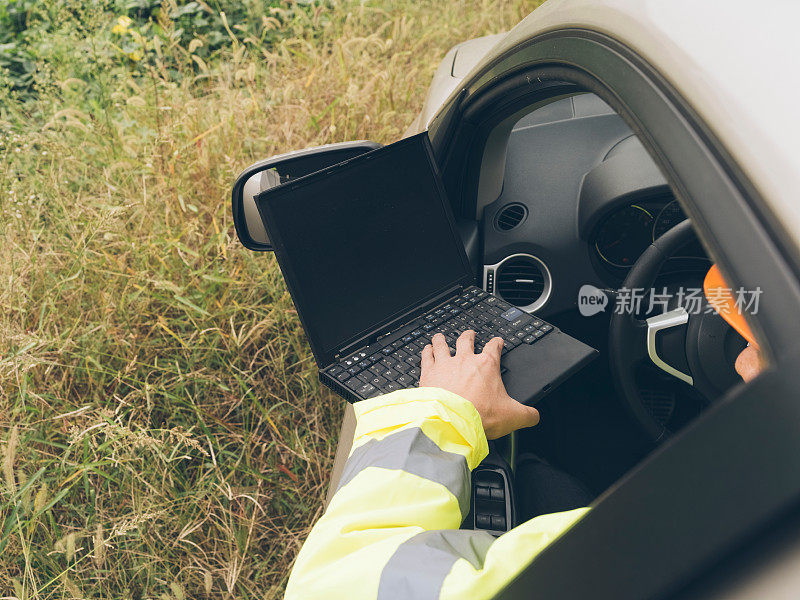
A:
[(695, 346)]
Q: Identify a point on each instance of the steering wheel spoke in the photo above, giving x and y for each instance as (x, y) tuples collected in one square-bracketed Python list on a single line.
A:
[(665, 321)]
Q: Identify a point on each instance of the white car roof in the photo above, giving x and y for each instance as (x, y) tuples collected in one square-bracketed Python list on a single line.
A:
[(736, 62)]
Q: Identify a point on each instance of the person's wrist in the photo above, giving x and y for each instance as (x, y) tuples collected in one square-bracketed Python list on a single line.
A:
[(462, 415)]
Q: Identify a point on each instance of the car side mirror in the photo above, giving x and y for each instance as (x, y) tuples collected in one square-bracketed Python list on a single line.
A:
[(274, 171)]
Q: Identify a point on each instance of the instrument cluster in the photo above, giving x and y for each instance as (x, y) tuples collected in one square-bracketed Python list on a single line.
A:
[(625, 234)]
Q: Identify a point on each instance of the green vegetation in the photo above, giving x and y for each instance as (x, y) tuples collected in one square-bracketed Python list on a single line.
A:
[(162, 430)]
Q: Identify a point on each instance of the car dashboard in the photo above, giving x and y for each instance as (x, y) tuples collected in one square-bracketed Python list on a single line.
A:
[(581, 201)]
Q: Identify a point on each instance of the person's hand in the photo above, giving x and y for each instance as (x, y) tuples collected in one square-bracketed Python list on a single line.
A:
[(476, 377), (749, 363)]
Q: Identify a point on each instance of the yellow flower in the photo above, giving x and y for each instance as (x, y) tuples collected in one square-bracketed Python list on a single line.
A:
[(122, 25), (135, 55)]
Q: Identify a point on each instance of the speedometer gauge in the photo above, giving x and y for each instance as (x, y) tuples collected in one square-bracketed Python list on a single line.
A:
[(670, 215), (624, 236)]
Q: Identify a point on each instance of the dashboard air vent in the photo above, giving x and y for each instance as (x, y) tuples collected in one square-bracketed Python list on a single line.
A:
[(521, 280), (510, 216)]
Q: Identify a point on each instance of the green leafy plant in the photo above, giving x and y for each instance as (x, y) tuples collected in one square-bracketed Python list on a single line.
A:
[(17, 59), (42, 39)]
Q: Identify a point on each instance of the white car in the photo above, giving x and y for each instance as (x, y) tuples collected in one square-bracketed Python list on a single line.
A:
[(573, 148)]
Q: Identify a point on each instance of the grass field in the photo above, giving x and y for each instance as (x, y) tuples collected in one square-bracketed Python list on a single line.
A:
[(162, 430)]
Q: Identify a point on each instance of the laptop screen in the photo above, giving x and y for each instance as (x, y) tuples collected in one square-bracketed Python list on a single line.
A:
[(364, 241)]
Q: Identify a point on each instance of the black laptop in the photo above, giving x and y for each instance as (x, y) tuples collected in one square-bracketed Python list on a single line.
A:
[(375, 266)]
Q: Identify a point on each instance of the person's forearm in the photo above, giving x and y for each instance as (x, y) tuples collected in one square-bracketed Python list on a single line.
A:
[(408, 472)]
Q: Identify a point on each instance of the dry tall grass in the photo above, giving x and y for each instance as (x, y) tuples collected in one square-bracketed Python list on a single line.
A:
[(163, 432)]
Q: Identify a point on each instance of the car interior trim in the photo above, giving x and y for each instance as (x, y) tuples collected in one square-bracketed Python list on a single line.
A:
[(490, 276)]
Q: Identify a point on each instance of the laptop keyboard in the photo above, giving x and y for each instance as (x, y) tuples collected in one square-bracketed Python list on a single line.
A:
[(393, 362)]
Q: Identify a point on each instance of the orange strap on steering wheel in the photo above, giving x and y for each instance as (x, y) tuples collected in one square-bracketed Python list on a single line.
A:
[(720, 296)]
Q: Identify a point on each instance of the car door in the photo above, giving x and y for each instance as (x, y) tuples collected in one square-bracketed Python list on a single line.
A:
[(729, 476)]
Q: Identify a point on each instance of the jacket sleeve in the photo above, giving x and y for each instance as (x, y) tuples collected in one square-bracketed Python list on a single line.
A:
[(391, 529)]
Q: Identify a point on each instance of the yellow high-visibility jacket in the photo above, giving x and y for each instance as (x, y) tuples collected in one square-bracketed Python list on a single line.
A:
[(391, 529)]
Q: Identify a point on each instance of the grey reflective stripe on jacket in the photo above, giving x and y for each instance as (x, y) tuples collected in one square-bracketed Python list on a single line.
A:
[(412, 451), (418, 567)]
